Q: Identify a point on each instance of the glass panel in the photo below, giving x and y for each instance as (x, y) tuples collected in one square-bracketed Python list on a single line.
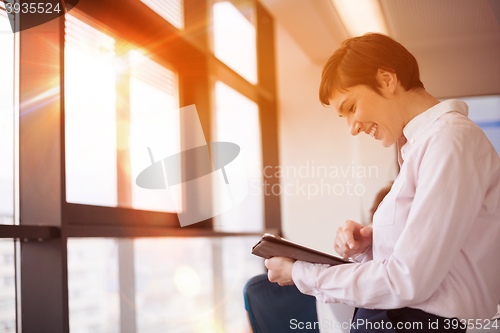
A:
[(154, 123), (170, 10), (235, 37), (237, 121), (193, 284), (485, 111), (94, 300), (174, 285), (119, 103), (6, 121), (182, 285), (239, 265), (7, 287), (90, 113)]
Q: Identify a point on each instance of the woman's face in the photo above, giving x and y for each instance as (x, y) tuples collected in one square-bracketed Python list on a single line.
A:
[(367, 111)]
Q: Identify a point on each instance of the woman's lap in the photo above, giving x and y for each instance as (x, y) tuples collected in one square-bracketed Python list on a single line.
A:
[(406, 320)]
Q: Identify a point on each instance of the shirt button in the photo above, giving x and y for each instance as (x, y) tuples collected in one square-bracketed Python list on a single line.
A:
[(412, 140)]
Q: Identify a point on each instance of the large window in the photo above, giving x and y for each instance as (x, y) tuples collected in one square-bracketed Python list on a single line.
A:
[(105, 92)]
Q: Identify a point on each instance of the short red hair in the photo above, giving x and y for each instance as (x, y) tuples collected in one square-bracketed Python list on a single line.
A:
[(357, 62)]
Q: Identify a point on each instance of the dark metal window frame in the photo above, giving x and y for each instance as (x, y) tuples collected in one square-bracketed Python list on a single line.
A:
[(46, 219)]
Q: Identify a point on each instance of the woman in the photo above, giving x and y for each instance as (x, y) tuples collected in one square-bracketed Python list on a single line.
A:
[(430, 256)]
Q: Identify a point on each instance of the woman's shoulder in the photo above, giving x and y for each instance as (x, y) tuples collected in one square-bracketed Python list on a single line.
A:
[(456, 120), (456, 126), (454, 134)]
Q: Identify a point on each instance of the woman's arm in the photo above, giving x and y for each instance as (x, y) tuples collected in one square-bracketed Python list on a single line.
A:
[(451, 185)]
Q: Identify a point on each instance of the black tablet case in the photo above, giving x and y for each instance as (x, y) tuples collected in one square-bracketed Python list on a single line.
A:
[(274, 246)]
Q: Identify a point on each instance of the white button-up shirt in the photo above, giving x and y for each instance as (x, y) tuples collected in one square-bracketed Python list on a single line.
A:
[(436, 235)]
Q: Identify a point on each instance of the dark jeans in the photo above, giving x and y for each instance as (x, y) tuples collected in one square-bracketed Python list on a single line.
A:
[(402, 320)]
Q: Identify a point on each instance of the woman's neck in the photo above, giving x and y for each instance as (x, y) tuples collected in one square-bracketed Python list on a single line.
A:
[(416, 102)]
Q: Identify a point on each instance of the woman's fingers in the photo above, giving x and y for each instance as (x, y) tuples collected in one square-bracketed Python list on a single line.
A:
[(341, 246), (280, 270), (350, 231), (352, 238), (341, 236), (366, 232)]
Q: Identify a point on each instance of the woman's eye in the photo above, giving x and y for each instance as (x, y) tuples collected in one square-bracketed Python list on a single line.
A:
[(351, 109)]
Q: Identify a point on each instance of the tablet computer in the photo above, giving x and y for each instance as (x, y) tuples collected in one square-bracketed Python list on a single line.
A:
[(274, 246)]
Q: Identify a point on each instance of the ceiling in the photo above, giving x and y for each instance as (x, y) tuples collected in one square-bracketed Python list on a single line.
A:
[(456, 42)]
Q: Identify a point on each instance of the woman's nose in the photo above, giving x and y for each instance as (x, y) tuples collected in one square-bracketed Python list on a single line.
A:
[(355, 127)]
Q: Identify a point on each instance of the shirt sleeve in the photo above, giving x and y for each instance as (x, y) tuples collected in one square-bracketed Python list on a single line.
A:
[(448, 196), (365, 256)]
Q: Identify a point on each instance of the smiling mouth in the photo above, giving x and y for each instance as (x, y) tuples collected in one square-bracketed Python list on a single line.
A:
[(374, 129)]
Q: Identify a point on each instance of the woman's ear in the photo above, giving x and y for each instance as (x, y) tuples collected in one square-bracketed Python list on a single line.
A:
[(388, 81)]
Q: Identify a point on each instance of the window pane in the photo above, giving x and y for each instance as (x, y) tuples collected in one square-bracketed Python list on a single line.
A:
[(90, 114), (154, 123), (237, 121), (485, 111), (6, 121), (174, 285), (182, 285), (119, 103), (193, 284), (235, 37), (94, 300), (170, 10), (7, 287)]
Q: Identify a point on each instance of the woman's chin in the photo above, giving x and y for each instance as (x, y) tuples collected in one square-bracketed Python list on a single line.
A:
[(386, 143)]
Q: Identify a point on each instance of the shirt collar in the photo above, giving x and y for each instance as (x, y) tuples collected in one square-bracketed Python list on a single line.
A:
[(417, 125)]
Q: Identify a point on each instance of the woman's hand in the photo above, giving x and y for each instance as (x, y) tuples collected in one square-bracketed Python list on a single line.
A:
[(353, 238), (280, 270)]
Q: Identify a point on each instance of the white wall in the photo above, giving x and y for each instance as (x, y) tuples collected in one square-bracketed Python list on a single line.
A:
[(312, 136)]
